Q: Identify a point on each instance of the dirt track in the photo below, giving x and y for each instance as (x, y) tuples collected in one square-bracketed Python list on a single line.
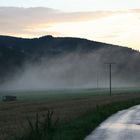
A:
[(13, 116)]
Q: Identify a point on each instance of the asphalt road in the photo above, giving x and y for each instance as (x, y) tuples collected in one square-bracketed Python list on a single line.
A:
[(124, 125)]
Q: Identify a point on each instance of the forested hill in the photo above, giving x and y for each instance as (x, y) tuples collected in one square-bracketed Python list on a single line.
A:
[(49, 44), (14, 52)]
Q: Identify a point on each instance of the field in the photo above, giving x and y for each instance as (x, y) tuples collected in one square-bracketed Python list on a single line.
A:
[(67, 105), (46, 95)]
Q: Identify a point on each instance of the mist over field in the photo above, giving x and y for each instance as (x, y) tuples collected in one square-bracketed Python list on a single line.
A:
[(67, 71), (74, 71)]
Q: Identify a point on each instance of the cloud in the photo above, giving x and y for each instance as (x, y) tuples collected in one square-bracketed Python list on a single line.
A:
[(111, 35), (32, 22), (18, 20), (135, 11)]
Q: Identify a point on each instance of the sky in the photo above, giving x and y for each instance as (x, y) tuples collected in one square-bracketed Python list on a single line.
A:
[(111, 21)]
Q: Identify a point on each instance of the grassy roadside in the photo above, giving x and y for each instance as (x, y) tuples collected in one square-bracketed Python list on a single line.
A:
[(80, 127)]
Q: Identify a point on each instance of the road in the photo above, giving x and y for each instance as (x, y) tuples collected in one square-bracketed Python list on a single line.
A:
[(124, 125)]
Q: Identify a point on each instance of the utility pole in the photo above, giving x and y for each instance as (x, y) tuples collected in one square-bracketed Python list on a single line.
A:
[(97, 80), (110, 77)]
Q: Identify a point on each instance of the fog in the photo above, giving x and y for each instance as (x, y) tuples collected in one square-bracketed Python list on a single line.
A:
[(70, 71)]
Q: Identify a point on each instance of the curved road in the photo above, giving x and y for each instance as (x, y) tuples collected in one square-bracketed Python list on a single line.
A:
[(124, 125)]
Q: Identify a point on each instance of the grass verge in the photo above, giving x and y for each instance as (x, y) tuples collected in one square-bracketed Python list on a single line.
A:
[(80, 127)]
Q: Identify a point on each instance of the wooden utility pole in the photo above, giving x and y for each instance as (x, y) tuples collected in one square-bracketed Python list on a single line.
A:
[(110, 77), (97, 80)]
